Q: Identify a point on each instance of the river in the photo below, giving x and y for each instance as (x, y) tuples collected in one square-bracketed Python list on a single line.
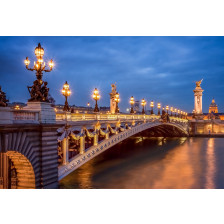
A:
[(154, 163)]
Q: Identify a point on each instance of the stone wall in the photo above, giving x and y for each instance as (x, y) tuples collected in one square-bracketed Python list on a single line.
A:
[(38, 145)]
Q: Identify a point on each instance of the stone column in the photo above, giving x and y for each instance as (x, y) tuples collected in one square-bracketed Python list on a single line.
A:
[(95, 139), (65, 150), (198, 100), (112, 96), (82, 145)]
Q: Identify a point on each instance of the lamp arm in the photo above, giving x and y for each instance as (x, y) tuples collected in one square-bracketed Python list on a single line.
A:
[(30, 69), (47, 70)]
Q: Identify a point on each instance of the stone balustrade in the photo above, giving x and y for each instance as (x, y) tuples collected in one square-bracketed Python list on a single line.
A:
[(61, 116)]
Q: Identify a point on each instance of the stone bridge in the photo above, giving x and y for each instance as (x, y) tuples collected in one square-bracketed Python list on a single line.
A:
[(37, 154)]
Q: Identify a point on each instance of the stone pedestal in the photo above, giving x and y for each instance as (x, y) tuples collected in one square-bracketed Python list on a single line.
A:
[(46, 111), (6, 115)]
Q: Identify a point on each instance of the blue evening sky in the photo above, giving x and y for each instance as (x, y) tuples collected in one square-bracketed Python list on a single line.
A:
[(162, 69)]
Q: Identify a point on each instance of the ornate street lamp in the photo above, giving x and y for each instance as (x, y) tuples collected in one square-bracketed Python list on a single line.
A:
[(158, 106), (37, 91), (117, 100), (175, 111), (167, 109), (66, 92), (171, 110), (178, 113), (88, 104), (152, 105), (181, 114), (132, 102), (163, 108), (96, 97), (143, 103)]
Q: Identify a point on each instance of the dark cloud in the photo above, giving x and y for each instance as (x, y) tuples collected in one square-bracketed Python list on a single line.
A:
[(155, 68)]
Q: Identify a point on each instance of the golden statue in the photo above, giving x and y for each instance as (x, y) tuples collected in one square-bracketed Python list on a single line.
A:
[(198, 83), (114, 88)]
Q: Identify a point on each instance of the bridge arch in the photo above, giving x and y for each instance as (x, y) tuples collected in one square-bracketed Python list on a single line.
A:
[(23, 150), (24, 170), (164, 130), (105, 144)]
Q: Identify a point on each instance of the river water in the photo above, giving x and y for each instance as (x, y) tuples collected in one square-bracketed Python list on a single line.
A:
[(154, 163)]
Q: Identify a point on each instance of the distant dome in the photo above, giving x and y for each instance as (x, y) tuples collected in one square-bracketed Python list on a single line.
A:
[(213, 107)]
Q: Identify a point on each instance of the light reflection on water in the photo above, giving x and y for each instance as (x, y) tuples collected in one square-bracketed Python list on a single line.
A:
[(140, 163)]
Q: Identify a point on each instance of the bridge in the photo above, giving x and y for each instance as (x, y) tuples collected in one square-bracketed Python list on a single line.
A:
[(36, 154)]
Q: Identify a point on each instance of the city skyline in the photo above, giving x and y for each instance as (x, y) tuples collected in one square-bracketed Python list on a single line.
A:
[(154, 68)]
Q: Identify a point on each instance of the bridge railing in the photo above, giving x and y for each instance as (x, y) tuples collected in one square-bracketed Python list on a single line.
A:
[(61, 116)]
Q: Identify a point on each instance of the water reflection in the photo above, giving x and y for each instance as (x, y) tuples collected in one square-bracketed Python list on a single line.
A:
[(153, 163), (210, 173)]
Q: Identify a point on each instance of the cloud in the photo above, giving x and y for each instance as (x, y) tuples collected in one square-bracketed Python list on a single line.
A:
[(159, 68)]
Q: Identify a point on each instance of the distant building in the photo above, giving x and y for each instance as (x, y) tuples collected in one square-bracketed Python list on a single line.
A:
[(213, 107)]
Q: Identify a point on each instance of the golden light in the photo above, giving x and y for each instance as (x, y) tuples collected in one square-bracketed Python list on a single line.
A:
[(39, 51), (88, 104), (51, 64), (117, 97), (132, 101), (171, 109), (167, 107), (175, 110), (152, 104), (66, 91), (158, 105), (17, 107), (178, 111), (143, 103), (181, 112), (27, 61), (40, 60), (96, 95)]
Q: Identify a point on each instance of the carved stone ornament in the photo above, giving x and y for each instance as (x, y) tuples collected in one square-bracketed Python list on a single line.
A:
[(3, 100)]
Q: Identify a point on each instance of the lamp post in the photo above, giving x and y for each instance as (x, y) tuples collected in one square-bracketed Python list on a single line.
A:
[(178, 113), (117, 100), (38, 92), (66, 92), (158, 106), (175, 111), (152, 105), (96, 97), (167, 109), (171, 110), (143, 103), (132, 102), (181, 114)]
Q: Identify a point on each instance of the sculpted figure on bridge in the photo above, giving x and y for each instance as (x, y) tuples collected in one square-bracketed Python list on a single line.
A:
[(198, 83), (3, 100), (165, 117), (38, 92)]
